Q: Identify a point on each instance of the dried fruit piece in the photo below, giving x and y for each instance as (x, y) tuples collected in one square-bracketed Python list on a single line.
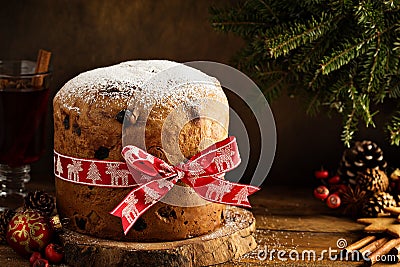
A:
[(120, 116), (101, 153), (140, 225), (66, 122), (76, 129)]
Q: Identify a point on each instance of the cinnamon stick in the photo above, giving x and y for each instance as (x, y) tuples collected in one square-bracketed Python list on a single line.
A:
[(395, 250), (42, 65), (384, 250), (360, 243), (374, 245)]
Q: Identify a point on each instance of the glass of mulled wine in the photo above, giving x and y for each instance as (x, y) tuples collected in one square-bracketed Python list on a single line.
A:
[(24, 95)]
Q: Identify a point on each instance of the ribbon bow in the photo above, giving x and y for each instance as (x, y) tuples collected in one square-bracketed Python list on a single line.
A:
[(202, 172)]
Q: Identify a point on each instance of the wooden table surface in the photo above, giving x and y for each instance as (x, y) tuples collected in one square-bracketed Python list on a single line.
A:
[(287, 219)]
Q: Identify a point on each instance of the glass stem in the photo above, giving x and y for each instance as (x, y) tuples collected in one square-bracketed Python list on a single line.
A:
[(13, 179)]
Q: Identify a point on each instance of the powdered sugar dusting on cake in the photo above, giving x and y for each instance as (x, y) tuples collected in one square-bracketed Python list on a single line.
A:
[(178, 84), (148, 81)]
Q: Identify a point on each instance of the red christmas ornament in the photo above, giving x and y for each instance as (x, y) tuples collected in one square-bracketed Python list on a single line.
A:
[(28, 231)]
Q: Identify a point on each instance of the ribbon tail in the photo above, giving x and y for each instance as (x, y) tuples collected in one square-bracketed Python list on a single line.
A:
[(137, 202), (226, 192)]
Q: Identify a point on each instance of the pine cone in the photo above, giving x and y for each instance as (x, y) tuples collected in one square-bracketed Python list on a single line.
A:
[(5, 217), (353, 200), (373, 180), (395, 175), (41, 201), (374, 206), (361, 156), (394, 183)]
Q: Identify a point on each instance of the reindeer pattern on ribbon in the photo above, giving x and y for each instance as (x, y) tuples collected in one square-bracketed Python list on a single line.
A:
[(152, 178)]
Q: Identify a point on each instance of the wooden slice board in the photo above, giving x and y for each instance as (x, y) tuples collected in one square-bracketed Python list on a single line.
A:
[(231, 241)]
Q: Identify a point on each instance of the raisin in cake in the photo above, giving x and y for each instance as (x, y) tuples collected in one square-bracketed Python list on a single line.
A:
[(88, 115)]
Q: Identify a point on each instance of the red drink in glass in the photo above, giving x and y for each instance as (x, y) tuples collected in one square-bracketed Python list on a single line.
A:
[(24, 96), (22, 122)]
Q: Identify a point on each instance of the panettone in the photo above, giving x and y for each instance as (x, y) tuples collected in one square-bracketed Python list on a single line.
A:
[(88, 115)]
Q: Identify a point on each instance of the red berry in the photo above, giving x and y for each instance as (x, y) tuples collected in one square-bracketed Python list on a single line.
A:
[(334, 179), (34, 257), (54, 253), (41, 263), (321, 192), (321, 174), (333, 201)]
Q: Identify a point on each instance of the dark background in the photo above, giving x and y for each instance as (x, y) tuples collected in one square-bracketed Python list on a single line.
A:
[(83, 35)]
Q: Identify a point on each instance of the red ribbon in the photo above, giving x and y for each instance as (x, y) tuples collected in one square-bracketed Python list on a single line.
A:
[(93, 172), (202, 172), (153, 178)]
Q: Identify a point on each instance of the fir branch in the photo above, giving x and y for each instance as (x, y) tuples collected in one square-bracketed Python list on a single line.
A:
[(273, 80), (363, 109), (308, 54), (342, 57), (365, 13), (312, 107), (241, 21), (340, 54), (351, 51), (297, 35), (349, 128), (391, 5), (351, 121), (393, 128), (374, 64), (270, 10), (232, 24), (312, 82), (393, 85)]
